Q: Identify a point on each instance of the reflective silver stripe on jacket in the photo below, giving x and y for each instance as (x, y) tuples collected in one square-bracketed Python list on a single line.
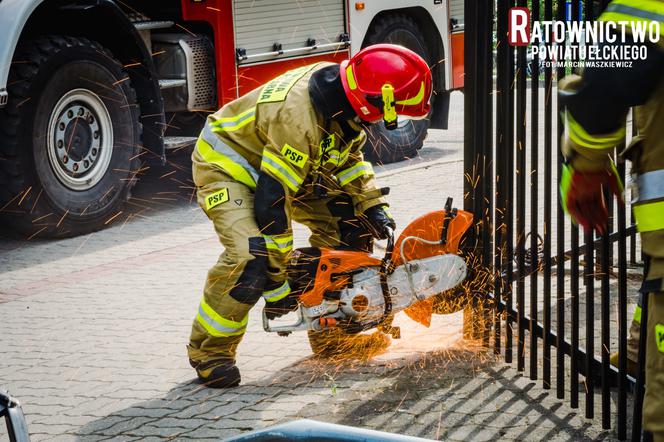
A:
[(650, 185), (277, 294), (209, 137)]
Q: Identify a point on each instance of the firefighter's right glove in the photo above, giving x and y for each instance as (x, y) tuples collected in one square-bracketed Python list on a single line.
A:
[(379, 221), (583, 198), (281, 306)]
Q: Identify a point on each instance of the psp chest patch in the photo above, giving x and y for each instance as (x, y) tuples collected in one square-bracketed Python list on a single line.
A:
[(327, 143), (216, 198), (294, 156)]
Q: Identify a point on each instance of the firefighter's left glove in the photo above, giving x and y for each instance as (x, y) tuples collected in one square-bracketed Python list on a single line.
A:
[(281, 305), (379, 221), (582, 195)]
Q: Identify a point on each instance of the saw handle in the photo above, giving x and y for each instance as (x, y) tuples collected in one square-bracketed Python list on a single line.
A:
[(386, 263), (301, 323), (385, 269)]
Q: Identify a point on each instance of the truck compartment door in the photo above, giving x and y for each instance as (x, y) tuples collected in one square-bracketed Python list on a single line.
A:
[(270, 30)]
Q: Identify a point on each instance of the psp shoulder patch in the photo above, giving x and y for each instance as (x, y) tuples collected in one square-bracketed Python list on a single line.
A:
[(294, 156), (216, 198)]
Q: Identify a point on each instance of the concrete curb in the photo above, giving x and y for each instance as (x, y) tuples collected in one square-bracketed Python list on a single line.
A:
[(424, 165)]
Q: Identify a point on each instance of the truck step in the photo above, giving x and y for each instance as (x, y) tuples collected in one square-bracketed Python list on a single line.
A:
[(171, 83), (153, 24), (172, 143)]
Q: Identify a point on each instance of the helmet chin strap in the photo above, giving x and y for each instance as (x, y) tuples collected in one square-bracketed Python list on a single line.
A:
[(360, 122)]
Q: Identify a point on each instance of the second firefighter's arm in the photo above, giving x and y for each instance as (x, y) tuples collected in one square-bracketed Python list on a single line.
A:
[(597, 103)]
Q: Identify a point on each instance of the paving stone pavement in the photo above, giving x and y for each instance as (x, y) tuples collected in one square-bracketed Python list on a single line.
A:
[(93, 332)]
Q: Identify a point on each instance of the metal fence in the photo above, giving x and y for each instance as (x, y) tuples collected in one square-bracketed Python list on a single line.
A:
[(547, 275)]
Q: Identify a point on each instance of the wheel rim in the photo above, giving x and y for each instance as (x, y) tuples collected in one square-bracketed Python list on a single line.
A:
[(80, 139)]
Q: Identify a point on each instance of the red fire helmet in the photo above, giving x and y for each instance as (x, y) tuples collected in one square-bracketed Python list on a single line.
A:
[(385, 80)]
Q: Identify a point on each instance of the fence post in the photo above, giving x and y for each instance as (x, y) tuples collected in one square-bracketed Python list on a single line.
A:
[(478, 162)]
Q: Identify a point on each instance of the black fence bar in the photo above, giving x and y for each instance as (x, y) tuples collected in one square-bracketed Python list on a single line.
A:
[(589, 278), (521, 195), (486, 49), (546, 246), (503, 119), (534, 198), (574, 285), (606, 331), (632, 237), (622, 316), (560, 243), (507, 173), (560, 285), (641, 373), (622, 303), (574, 332)]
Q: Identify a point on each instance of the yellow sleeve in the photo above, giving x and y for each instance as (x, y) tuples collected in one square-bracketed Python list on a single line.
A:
[(587, 152), (356, 177)]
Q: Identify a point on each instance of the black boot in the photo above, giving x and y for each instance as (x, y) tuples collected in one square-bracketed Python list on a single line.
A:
[(217, 373)]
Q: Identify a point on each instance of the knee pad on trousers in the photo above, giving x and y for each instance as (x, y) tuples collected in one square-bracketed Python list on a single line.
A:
[(251, 283), (269, 206)]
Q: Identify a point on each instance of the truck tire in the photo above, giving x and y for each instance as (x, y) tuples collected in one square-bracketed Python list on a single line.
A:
[(69, 138), (388, 146)]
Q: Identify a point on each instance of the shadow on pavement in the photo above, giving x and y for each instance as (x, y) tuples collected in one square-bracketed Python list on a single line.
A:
[(457, 394), (162, 189)]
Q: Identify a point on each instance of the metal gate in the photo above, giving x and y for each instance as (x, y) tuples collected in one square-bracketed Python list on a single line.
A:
[(546, 275)]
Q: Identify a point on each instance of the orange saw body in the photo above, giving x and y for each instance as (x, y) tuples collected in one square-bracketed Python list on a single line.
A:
[(357, 291)]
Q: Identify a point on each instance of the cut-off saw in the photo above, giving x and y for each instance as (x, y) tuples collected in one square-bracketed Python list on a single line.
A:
[(356, 291)]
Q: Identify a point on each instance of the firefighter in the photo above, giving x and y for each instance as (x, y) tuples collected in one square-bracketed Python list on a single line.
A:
[(596, 106), (291, 150)]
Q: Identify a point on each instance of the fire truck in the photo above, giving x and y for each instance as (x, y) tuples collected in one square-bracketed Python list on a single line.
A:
[(90, 89)]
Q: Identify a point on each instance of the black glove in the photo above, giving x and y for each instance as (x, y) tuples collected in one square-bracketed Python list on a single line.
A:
[(379, 221), (281, 307)]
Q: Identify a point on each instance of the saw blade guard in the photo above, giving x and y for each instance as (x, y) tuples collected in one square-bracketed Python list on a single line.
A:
[(427, 236), (434, 233)]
